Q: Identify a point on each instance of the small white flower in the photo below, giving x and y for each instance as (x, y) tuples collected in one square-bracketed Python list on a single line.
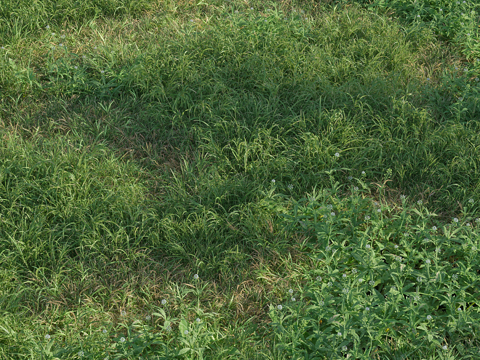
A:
[(474, 248), (169, 328), (360, 280), (441, 10), (339, 334), (367, 246), (164, 302), (290, 291), (402, 197), (437, 250), (394, 288), (429, 317), (459, 309), (279, 307), (185, 332), (104, 331), (396, 246), (444, 347), (321, 303), (419, 279), (455, 277), (332, 213), (455, 219), (363, 172), (330, 206), (319, 278), (290, 186), (419, 202), (123, 313), (355, 188), (376, 203), (418, 15), (293, 299), (367, 308), (344, 275), (468, 224), (103, 71), (327, 248), (379, 210), (47, 336), (63, 36), (354, 271), (273, 181), (330, 283), (477, 220), (53, 34), (148, 317), (76, 67), (60, 44), (84, 57), (122, 339), (350, 178), (198, 320), (367, 217), (48, 27), (251, 8), (471, 201), (428, 261), (80, 353), (344, 348), (434, 228), (337, 155), (371, 282), (195, 276)]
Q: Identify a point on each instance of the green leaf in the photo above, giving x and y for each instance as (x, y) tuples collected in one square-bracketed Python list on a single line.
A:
[(405, 288), (379, 296), (184, 351), (161, 313)]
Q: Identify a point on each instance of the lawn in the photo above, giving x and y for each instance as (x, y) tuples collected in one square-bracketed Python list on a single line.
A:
[(229, 179)]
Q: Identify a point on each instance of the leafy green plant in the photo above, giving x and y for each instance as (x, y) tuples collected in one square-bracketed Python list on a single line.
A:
[(372, 280)]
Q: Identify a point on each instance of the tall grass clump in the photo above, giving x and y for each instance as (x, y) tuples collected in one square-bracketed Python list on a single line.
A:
[(22, 19), (453, 22), (207, 180)]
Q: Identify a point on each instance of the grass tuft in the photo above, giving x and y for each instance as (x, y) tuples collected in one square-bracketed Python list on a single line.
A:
[(283, 180)]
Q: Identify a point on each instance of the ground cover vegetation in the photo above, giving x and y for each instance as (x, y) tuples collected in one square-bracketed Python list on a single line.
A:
[(239, 180)]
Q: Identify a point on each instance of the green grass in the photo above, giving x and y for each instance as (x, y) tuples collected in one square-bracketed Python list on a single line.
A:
[(285, 180)]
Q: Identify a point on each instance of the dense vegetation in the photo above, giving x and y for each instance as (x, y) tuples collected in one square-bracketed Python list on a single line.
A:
[(232, 180)]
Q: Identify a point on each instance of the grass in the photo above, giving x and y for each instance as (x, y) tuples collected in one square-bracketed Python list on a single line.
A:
[(222, 180)]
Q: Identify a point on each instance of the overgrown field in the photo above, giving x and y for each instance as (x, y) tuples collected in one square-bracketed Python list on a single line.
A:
[(239, 179)]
